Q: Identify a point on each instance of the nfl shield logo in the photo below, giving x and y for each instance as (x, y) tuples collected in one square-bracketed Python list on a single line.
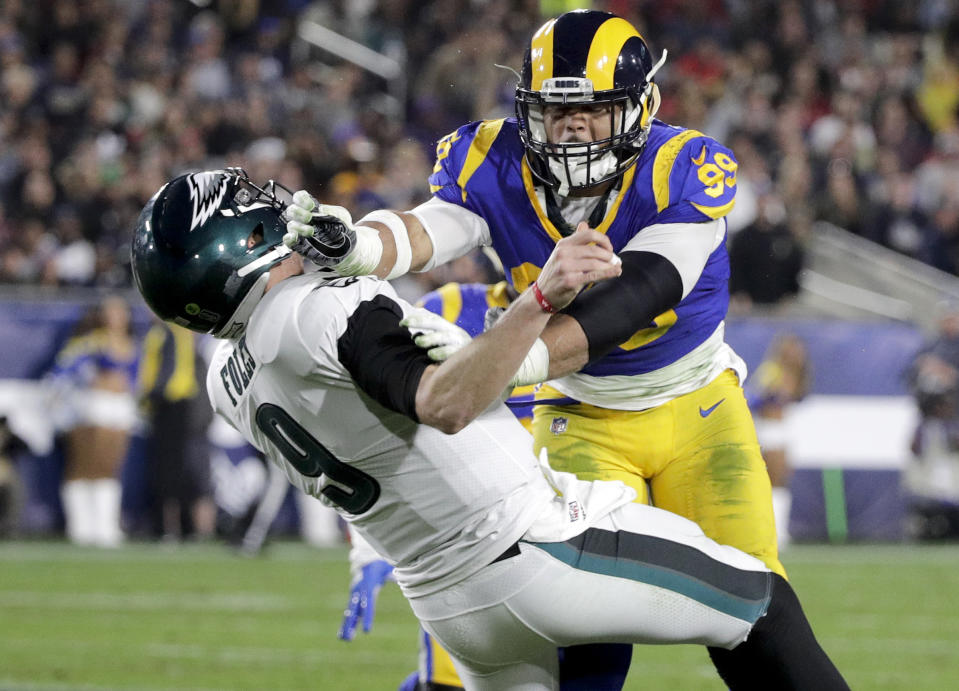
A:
[(559, 425)]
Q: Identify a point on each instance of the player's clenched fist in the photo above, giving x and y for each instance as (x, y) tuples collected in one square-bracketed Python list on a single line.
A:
[(584, 257)]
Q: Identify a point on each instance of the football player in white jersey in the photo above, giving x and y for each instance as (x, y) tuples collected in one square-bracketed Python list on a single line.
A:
[(423, 460)]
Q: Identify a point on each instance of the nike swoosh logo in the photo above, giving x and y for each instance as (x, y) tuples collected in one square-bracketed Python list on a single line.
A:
[(710, 409)]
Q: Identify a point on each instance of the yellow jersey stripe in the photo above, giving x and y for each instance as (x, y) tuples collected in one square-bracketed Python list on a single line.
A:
[(716, 211), (534, 201), (614, 209), (452, 301), (544, 219), (604, 51), (182, 383), (663, 165), (479, 148), (541, 55)]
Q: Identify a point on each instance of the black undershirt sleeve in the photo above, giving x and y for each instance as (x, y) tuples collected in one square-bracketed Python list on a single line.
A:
[(612, 311), (381, 357)]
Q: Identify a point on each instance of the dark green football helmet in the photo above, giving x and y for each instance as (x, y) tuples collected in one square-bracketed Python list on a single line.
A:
[(203, 247)]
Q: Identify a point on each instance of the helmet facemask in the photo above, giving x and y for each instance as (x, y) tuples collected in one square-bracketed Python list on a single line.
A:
[(571, 166)]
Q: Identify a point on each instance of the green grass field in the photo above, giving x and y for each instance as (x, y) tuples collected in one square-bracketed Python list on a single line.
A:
[(152, 617)]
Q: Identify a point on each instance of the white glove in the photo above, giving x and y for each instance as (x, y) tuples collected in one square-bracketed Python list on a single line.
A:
[(324, 234), (320, 232), (439, 337)]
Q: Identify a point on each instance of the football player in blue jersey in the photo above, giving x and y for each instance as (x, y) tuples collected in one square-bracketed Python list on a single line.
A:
[(642, 386)]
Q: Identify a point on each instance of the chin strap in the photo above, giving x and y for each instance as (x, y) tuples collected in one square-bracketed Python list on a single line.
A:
[(236, 324)]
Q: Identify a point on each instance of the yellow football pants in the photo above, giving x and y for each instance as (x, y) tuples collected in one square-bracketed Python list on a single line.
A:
[(696, 455)]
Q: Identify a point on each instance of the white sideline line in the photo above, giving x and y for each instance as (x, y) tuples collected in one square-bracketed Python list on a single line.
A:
[(62, 551), (369, 657), (897, 647), (148, 601), (20, 685)]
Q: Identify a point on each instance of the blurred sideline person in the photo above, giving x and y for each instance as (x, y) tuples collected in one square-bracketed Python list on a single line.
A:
[(11, 486), (932, 477), (95, 408), (642, 386), (782, 379), (501, 558), (178, 414)]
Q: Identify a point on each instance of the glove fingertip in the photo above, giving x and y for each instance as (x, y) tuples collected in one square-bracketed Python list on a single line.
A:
[(304, 200)]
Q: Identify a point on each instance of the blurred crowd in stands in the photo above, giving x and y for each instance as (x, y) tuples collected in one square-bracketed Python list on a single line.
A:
[(838, 111)]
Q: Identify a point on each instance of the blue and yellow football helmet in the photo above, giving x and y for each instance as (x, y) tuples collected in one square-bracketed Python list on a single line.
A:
[(588, 57)]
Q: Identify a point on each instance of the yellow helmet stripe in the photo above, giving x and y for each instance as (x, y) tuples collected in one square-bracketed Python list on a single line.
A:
[(604, 51), (541, 55)]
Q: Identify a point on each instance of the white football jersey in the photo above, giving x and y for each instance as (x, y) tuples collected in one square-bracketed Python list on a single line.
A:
[(437, 506)]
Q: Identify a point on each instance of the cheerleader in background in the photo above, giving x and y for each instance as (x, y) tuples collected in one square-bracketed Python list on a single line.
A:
[(783, 378), (95, 411)]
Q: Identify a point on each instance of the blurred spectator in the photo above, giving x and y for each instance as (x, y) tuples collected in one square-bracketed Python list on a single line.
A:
[(842, 203), (95, 410), (11, 491), (782, 379), (171, 390), (765, 258), (902, 225), (102, 101), (932, 477)]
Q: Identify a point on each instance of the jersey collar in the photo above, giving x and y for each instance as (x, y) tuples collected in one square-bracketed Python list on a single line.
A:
[(548, 226)]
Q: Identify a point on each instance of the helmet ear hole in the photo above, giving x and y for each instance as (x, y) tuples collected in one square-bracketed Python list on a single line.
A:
[(255, 237)]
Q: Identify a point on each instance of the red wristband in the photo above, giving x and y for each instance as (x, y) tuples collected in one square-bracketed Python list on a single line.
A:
[(541, 299)]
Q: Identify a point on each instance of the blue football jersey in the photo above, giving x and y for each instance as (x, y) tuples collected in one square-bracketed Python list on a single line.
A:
[(682, 176)]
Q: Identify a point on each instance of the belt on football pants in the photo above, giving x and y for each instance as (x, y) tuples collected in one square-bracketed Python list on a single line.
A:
[(511, 551)]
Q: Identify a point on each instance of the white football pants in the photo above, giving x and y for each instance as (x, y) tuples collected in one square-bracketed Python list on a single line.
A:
[(637, 575)]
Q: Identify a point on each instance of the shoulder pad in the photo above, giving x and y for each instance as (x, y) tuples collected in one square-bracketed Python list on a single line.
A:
[(695, 177), (460, 153)]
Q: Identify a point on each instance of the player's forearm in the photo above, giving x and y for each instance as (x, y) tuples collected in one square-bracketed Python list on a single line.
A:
[(405, 234), (567, 344), (454, 393)]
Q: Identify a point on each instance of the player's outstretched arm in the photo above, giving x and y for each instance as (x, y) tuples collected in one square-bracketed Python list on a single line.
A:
[(369, 573), (383, 243), (362, 602), (454, 393)]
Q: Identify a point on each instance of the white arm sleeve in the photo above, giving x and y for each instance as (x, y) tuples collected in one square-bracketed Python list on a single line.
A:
[(361, 554), (453, 230), (686, 245)]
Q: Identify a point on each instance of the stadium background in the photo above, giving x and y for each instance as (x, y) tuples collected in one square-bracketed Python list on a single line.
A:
[(843, 116)]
